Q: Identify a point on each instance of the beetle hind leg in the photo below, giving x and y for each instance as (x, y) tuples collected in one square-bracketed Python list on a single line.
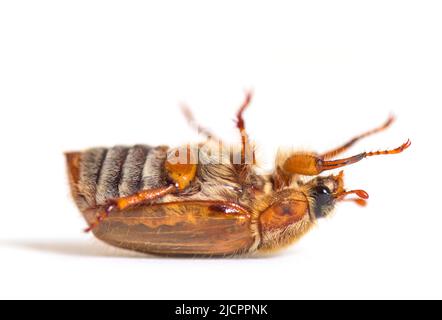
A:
[(122, 203), (187, 112)]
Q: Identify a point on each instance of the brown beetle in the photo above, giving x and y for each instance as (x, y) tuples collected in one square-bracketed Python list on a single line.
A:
[(205, 199)]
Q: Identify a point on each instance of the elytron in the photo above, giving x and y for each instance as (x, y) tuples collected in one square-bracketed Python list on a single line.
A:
[(206, 199)]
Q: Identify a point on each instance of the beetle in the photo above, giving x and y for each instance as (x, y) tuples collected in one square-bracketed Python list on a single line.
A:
[(207, 199)]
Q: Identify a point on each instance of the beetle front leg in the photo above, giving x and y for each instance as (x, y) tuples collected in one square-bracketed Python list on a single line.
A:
[(311, 164), (333, 153)]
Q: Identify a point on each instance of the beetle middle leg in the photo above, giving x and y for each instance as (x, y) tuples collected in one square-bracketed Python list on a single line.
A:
[(333, 153), (247, 151)]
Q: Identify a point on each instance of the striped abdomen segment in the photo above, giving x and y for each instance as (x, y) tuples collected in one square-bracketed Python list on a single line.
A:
[(105, 174)]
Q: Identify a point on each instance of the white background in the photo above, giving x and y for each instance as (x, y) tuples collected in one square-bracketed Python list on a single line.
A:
[(79, 74)]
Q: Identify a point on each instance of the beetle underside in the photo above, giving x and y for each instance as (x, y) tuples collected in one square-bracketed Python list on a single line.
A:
[(155, 200)]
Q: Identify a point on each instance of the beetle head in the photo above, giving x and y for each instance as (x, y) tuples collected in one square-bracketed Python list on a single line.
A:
[(293, 211), (324, 192)]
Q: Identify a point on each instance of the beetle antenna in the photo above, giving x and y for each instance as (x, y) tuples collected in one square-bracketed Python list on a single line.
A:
[(361, 200)]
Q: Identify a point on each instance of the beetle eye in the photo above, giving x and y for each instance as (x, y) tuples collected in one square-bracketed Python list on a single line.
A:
[(322, 190), (323, 197)]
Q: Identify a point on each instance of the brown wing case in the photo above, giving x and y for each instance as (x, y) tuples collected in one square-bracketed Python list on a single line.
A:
[(178, 228)]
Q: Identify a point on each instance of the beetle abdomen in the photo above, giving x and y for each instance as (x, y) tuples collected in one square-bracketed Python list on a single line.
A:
[(105, 174), (189, 223)]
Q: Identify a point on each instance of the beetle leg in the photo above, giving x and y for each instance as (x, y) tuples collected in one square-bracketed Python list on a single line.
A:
[(181, 169), (247, 151), (130, 201), (310, 164), (195, 125), (333, 153)]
